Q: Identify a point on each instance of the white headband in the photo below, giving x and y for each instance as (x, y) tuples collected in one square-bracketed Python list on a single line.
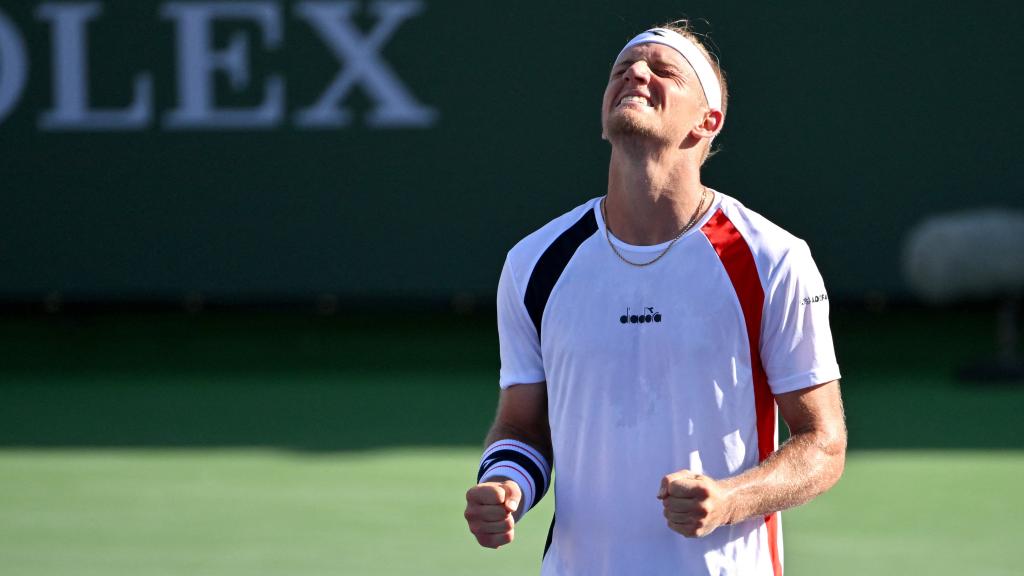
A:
[(705, 73)]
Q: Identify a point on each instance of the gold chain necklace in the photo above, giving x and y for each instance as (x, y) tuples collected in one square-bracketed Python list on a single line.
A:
[(693, 220)]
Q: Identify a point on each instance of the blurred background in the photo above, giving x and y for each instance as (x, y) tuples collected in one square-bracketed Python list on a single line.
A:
[(249, 252)]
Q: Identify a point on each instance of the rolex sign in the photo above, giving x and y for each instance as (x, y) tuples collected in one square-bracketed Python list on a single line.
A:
[(217, 49)]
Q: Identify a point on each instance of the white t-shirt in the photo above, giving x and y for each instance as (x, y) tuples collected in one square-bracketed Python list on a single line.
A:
[(655, 369)]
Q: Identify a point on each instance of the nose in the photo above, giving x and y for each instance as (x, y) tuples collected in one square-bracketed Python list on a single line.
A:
[(638, 72)]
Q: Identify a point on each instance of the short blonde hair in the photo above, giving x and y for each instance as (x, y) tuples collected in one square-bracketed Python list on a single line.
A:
[(683, 28)]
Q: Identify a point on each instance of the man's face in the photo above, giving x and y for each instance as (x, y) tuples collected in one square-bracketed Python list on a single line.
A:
[(652, 92)]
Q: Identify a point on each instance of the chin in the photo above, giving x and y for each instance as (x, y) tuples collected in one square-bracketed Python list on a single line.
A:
[(624, 123)]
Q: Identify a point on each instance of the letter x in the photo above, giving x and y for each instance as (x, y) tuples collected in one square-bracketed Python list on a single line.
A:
[(394, 105)]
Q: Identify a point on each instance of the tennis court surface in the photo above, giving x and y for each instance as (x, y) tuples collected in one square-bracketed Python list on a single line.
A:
[(288, 443)]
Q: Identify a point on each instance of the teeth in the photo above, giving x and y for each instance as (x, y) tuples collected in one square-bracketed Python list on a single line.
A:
[(634, 99)]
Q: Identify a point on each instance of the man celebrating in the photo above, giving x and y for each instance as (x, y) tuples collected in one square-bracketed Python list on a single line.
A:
[(648, 340)]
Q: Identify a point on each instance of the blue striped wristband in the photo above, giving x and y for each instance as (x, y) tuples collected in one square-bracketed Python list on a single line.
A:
[(520, 462)]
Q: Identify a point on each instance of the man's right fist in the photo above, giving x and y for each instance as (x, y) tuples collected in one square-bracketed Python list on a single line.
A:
[(489, 511)]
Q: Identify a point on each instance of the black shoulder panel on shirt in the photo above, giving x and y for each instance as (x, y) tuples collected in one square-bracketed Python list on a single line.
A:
[(553, 262)]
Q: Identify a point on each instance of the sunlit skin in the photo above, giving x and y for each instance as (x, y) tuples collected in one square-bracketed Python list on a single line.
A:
[(658, 145), (676, 103)]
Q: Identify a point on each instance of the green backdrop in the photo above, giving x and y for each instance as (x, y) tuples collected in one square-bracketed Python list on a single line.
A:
[(847, 124)]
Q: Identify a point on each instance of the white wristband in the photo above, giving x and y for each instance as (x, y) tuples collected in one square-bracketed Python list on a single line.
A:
[(521, 463)]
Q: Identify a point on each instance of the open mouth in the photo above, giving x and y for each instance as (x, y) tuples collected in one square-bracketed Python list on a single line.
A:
[(633, 99)]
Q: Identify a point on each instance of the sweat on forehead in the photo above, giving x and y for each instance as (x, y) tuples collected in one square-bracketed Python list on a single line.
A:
[(690, 52)]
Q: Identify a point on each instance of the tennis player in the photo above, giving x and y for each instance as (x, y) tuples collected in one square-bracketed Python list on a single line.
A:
[(649, 338)]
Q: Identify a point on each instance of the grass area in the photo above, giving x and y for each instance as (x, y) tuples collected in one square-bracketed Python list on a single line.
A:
[(221, 512), (913, 512), (225, 512), (275, 443)]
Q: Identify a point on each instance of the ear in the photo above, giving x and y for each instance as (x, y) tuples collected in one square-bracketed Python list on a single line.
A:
[(710, 125)]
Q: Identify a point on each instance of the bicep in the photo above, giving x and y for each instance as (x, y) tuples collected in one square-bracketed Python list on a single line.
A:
[(816, 409)]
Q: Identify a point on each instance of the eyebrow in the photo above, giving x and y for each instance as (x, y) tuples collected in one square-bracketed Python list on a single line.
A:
[(627, 63)]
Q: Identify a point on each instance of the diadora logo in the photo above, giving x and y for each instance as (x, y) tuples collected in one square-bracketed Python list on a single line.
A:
[(814, 299), (647, 315)]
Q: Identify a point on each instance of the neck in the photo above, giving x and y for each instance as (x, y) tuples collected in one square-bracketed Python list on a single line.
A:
[(651, 194)]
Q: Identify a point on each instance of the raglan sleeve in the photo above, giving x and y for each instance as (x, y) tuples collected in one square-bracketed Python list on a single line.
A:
[(796, 340), (519, 343)]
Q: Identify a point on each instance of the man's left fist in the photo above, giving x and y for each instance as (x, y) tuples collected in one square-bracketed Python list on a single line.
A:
[(694, 504)]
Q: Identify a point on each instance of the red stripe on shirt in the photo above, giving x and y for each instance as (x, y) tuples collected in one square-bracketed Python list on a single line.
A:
[(738, 260)]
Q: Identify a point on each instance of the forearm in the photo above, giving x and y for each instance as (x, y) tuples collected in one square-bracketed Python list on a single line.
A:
[(518, 445), (808, 464), (539, 439), (540, 442)]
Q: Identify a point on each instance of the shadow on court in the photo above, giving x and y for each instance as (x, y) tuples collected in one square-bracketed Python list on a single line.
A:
[(356, 381)]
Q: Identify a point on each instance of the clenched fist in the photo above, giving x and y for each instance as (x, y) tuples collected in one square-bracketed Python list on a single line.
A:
[(489, 511), (694, 504)]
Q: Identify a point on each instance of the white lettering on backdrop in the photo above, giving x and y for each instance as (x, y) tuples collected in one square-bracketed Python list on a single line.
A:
[(199, 63)]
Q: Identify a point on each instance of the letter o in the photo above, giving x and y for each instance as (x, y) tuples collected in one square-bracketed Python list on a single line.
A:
[(13, 65)]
